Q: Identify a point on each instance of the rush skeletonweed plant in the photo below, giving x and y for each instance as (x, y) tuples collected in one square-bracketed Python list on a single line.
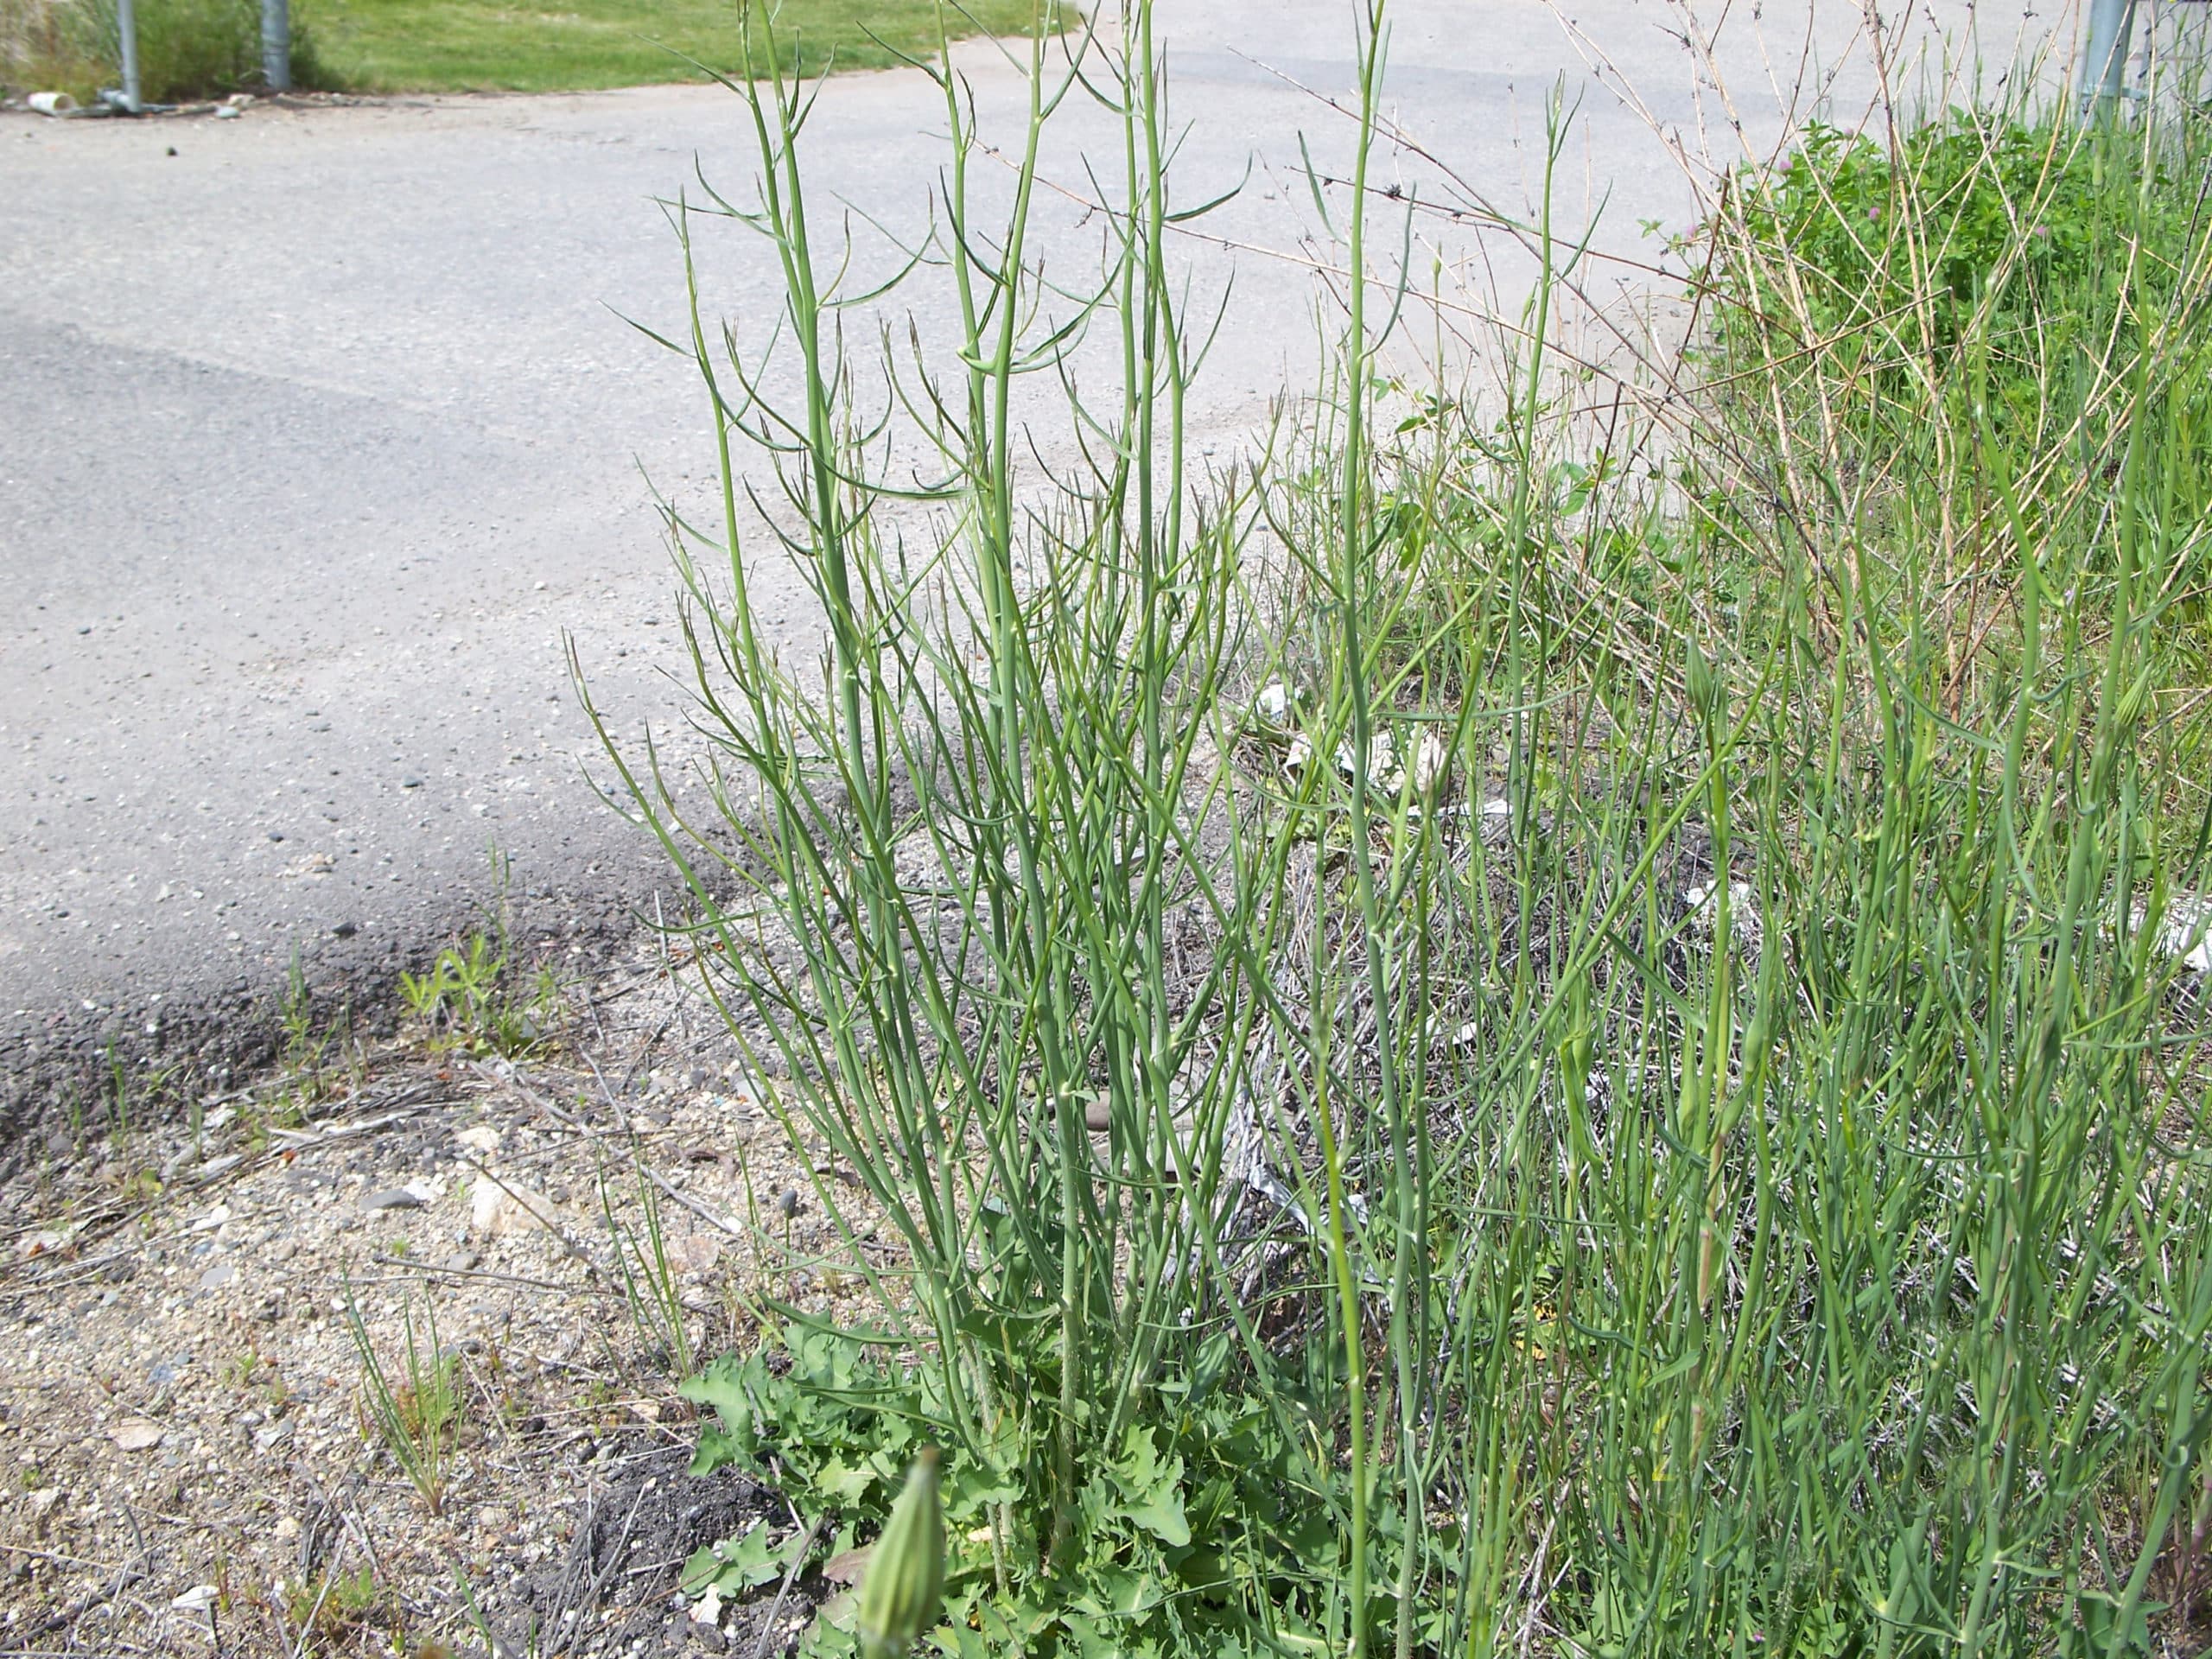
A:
[(1489, 1029)]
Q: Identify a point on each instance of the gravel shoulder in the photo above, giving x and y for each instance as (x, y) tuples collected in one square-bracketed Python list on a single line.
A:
[(189, 1456)]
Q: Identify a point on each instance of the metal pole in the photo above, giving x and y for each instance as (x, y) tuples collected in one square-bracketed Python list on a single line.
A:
[(277, 44), (126, 25), (2104, 71)]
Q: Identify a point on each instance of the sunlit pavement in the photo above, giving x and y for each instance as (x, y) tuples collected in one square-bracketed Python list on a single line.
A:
[(325, 430)]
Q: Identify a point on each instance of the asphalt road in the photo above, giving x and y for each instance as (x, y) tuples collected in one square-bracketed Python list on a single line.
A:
[(321, 429)]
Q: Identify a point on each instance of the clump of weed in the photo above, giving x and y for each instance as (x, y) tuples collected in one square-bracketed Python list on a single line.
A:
[(415, 1407), (336, 1607), (649, 1280), (475, 999), (468, 1000), (319, 1055), (1713, 1162), (2012, 264)]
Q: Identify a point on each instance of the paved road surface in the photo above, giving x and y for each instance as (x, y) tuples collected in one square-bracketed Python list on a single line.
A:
[(319, 432)]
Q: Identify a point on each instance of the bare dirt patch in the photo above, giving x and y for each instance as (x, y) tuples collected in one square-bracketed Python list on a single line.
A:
[(191, 1459)]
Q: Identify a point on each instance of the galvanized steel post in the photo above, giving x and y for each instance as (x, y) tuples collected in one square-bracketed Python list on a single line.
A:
[(277, 44), (2104, 70), (126, 25)]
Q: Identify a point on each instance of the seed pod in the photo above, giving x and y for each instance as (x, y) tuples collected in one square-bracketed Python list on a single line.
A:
[(903, 1592), (1704, 686), (2134, 703)]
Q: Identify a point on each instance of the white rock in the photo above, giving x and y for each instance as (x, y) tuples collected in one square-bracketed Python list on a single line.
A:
[(136, 1435), (480, 1138), (497, 1211), (693, 1252), (2185, 931), (1431, 761), (197, 1599), (1382, 760), (1384, 772), (44, 1242), (1704, 902)]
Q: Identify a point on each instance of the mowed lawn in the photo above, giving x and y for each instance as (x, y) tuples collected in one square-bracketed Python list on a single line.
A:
[(486, 45)]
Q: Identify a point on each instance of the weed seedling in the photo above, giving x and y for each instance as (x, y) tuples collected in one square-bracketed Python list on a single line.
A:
[(309, 1045), (334, 1606), (417, 1413), (649, 1278)]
